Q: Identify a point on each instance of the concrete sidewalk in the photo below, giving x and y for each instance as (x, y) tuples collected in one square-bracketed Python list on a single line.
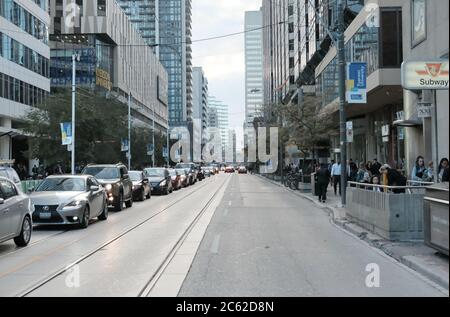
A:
[(415, 255)]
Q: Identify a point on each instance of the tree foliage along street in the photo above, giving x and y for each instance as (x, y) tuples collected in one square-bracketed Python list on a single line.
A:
[(101, 124)]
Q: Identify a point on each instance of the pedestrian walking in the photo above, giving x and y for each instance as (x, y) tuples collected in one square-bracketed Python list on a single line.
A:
[(336, 176), (323, 179)]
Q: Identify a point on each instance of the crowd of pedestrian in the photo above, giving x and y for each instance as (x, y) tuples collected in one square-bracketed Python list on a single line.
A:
[(381, 176)]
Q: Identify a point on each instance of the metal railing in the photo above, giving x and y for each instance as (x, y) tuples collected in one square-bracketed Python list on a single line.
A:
[(409, 189)]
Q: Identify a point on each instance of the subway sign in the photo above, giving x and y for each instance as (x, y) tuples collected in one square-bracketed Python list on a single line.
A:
[(431, 75)]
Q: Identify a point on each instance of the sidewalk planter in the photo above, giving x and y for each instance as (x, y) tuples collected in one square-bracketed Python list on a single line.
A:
[(396, 217), (436, 217)]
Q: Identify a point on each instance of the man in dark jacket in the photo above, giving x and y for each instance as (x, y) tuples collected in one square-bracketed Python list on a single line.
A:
[(375, 169), (323, 179)]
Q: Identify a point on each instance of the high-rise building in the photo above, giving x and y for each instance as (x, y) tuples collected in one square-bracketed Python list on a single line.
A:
[(223, 117), (24, 70), (113, 57), (200, 100), (254, 88), (167, 25)]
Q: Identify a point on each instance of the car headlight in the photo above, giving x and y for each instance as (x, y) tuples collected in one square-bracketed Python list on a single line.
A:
[(75, 203), (108, 187), (163, 183)]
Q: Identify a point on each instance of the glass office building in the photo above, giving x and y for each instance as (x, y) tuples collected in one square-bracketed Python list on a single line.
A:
[(167, 25)]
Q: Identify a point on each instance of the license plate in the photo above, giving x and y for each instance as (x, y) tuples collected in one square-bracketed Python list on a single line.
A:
[(45, 215)]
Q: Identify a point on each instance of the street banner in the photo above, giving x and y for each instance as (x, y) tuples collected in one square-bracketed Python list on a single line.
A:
[(150, 149), (350, 132), (66, 133), (431, 75), (124, 145), (165, 152), (357, 83)]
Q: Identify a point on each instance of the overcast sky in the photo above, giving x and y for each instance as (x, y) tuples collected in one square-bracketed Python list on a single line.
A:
[(223, 60)]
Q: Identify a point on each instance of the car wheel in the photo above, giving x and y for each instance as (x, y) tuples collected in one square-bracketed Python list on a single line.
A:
[(104, 215), (129, 203), (25, 234), (149, 195), (118, 206), (84, 221), (142, 198)]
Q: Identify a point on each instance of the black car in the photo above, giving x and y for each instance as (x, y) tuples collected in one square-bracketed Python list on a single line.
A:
[(160, 180), (142, 189), (192, 170), (117, 182)]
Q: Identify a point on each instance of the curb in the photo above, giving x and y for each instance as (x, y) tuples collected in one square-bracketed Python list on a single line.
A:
[(371, 239)]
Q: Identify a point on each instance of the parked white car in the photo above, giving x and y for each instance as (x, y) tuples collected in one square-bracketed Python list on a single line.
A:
[(15, 214)]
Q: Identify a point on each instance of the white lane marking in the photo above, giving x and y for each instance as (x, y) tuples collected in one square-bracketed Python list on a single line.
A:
[(229, 203), (215, 244)]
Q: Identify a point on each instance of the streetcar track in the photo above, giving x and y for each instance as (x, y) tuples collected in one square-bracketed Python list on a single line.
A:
[(146, 290), (61, 271), (17, 250)]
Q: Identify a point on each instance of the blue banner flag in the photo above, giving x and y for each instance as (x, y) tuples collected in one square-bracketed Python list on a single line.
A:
[(357, 82), (66, 133)]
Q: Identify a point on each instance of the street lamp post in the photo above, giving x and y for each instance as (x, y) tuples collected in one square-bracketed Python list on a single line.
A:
[(75, 58), (129, 131), (342, 88)]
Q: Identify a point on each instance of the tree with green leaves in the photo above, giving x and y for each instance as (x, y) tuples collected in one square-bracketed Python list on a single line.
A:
[(101, 124)]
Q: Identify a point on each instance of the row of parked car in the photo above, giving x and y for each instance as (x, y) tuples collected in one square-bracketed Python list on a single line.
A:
[(77, 199)]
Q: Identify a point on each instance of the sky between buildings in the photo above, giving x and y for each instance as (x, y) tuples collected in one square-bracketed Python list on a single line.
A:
[(223, 60)]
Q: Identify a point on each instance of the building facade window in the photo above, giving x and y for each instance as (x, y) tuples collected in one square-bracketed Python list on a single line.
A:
[(22, 55), (23, 19), (16, 90)]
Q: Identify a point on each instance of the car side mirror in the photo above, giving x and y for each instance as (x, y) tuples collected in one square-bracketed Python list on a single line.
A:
[(2, 201), (145, 180), (31, 189), (126, 176), (94, 188)]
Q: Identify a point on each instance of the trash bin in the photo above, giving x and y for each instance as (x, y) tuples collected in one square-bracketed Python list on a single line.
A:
[(314, 185), (436, 217)]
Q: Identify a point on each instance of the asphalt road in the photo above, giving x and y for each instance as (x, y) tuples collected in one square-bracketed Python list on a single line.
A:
[(116, 257), (253, 239), (265, 241)]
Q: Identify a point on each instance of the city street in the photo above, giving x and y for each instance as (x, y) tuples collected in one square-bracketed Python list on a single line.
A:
[(261, 241)]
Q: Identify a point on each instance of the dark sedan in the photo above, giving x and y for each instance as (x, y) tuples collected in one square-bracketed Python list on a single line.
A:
[(160, 180), (176, 179), (141, 186)]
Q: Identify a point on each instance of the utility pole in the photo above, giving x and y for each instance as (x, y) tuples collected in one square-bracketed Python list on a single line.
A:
[(74, 73), (342, 88), (129, 131), (153, 138)]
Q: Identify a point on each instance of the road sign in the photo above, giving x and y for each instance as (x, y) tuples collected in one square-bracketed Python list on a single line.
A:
[(357, 83), (425, 75), (424, 110), (350, 133)]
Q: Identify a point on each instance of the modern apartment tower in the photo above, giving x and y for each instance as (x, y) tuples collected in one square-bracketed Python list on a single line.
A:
[(223, 118), (24, 70), (200, 97), (254, 86), (167, 26)]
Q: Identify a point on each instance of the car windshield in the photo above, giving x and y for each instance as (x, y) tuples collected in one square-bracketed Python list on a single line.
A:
[(102, 172), (135, 176), (182, 171), (173, 173), (155, 172), (63, 184)]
